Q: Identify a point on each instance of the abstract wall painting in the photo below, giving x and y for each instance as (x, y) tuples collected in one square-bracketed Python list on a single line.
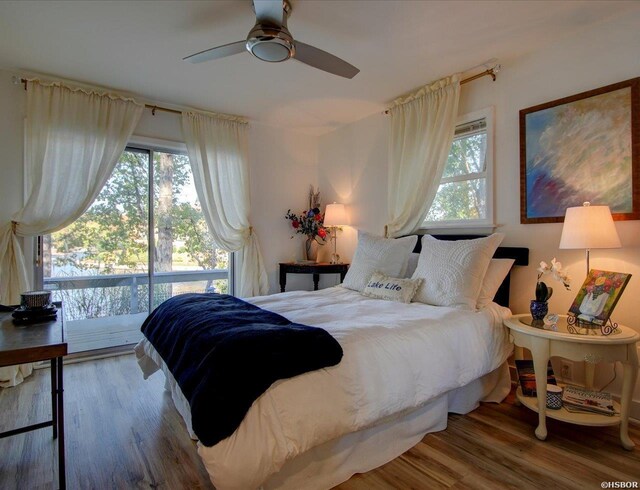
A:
[(581, 148)]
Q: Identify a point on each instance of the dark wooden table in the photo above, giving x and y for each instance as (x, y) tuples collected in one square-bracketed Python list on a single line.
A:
[(32, 343), (315, 269)]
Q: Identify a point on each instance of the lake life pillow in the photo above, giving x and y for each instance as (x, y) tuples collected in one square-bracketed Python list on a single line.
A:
[(391, 288), (453, 271), (497, 271), (388, 256)]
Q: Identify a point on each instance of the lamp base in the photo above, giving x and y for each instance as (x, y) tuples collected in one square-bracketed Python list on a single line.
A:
[(335, 259)]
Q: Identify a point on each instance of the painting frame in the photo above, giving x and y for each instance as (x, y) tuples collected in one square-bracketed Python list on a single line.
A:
[(600, 285), (525, 177)]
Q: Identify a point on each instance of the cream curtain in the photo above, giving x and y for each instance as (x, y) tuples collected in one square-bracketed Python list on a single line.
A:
[(422, 128), (73, 140), (217, 152)]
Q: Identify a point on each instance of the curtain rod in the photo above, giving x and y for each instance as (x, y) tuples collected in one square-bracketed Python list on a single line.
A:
[(153, 108), (491, 72)]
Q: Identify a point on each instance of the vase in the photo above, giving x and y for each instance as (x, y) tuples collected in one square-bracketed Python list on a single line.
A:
[(539, 309), (310, 250)]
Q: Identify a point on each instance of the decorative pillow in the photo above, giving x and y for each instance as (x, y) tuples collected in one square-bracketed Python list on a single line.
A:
[(497, 271), (391, 288), (388, 256), (411, 265), (453, 270)]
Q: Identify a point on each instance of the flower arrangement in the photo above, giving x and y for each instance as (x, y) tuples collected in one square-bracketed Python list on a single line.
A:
[(310, 222), (604, 282), (543, 292)]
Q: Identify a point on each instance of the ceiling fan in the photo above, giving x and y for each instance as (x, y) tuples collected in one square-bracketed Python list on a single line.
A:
[(271, 41)]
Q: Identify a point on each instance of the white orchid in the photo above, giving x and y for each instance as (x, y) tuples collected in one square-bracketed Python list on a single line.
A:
[(543, 293)]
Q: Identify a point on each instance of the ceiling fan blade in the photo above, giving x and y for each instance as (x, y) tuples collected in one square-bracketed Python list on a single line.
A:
[(269, 11), (217, 52), (324, 61)]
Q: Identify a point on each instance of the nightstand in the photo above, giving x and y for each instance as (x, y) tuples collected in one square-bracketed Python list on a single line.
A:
[(315, 269), (586, 345)]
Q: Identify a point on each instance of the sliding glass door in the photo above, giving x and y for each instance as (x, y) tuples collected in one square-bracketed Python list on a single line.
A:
[(142, 241)]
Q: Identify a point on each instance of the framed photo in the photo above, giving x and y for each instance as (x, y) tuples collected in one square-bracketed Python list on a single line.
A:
[(581, 148), (598, 296)]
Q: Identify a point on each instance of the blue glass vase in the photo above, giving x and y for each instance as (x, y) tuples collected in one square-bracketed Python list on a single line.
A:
[(539, 309)]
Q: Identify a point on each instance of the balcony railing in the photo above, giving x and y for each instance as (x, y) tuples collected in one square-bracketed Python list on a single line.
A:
[(133, 282)]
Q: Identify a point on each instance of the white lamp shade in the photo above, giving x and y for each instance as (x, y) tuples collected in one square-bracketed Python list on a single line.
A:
[(589, 227), (335, 215)]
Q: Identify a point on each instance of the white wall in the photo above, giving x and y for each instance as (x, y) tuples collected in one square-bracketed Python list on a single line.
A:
[(283, 163), (353, 159)]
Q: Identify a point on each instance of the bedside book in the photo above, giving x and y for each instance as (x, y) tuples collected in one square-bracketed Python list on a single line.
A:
[(527, 376)]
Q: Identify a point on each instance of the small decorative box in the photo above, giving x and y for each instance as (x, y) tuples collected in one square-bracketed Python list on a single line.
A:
[(554, 397)]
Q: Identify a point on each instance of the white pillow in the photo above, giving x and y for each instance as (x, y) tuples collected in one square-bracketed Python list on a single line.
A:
[(388, 256), (411, 265), (391, 288), (453, 270), (497, 271)]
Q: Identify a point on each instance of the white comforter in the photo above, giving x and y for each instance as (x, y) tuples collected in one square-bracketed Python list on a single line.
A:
[(396, 357)]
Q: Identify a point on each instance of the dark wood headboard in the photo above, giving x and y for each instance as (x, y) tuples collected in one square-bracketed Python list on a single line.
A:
[(519, 254)]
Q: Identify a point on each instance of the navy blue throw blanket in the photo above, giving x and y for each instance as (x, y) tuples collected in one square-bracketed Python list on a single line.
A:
[(224, 353)]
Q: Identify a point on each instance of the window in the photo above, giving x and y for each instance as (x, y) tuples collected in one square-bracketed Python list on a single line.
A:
[(143, 240), (465, 194)]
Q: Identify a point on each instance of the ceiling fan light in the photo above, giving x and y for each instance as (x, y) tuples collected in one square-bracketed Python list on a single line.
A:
[(273, 51)]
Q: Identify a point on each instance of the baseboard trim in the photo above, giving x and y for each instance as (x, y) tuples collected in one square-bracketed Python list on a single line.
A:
[(92, 355)]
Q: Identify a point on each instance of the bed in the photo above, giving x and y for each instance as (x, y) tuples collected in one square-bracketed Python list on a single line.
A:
[(405, 367)]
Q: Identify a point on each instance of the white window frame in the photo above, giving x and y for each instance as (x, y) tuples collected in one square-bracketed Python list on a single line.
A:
[(488, 115)]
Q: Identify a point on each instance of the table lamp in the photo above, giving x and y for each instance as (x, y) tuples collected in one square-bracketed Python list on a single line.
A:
[(589, 227), (335, 216)]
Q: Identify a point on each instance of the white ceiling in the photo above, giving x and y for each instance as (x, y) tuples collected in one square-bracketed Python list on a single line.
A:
[(138, 46)]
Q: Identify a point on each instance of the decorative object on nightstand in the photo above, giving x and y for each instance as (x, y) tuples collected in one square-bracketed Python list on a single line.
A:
[(309, 223), (589, 227), (539, 306), (554, 397), (335, 216), (591, 347), (597, 298)]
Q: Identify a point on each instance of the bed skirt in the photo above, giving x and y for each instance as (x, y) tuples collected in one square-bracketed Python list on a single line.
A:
[(335, 461)]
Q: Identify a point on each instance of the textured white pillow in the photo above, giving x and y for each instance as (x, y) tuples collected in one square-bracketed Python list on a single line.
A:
[(411, 265), (391, 288), (497, 271), (453, 270), (388, 256)]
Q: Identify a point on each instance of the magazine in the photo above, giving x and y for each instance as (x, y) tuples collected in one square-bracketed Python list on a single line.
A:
[(575, 398), (527, 376)]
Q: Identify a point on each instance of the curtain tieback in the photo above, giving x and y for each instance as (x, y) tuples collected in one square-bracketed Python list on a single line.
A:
[(14, 226)]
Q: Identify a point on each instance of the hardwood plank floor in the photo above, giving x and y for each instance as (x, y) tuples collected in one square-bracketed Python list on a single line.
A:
[(123, 432)]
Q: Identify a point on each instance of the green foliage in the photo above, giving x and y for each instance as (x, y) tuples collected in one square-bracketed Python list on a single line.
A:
[(111, 237), (543, 292), (462, 199)]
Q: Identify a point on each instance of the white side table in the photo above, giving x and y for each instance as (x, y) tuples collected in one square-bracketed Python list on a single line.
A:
[(588, 345)]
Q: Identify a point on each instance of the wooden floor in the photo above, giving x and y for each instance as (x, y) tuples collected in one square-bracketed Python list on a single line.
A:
[(123, 432)]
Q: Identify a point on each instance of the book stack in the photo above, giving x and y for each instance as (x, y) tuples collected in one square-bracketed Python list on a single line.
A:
[(576, 399)]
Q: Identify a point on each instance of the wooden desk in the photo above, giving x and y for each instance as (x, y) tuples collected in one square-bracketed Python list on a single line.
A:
[(315, 269), (32, 343)]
